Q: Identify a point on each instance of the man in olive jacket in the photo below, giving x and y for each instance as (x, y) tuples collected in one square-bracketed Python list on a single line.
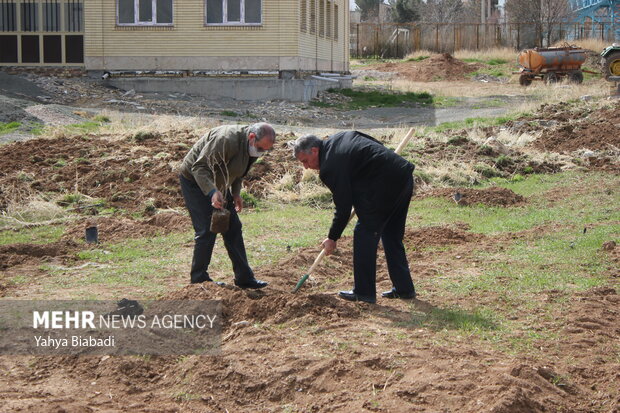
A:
[(211, 176), (362, 173)]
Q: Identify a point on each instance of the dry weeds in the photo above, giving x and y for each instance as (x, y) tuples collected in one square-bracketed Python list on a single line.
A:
[(504, 53), (595, 45)]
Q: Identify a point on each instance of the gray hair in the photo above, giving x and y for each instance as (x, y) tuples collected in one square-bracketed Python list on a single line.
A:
[(263, 130), (305, 144)]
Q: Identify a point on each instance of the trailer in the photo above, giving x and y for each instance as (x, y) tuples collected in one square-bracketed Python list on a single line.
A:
[(551, 64)]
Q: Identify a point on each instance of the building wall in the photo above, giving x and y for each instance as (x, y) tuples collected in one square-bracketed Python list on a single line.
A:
[(188, 44), (41, 33), (325, 50)]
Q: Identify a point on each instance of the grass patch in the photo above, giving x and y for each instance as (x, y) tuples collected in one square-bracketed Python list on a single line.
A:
[(229, 113), (567, 261), (36, 128), (101, 119), (417, 58), (361, 99), (85, 127), (453, 319), (495, 72), (36, 235), (489, 61), (8, 127), (475, 122), (590, 76), (576, 210), (445, 101), (150, 265)]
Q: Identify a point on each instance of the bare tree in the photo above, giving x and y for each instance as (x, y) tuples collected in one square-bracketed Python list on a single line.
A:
[(442, 11), (545, 15), (405, 11), (368, 8)]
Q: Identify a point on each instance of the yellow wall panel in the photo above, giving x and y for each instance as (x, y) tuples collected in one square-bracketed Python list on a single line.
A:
[(277, 36)]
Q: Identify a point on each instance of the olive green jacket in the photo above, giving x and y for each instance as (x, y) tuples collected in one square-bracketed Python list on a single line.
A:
[(219, 160)]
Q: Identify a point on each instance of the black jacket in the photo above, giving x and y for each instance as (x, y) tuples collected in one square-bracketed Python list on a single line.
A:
[(361, 173)]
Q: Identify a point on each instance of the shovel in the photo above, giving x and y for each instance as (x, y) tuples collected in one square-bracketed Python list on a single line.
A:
[(319, 258)]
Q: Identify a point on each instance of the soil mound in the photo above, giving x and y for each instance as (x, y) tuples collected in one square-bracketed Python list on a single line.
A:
[(493, 196), (438, 236), (114, 228), (135, 173), (273, 307), (437, 67), (596, 131), (127, 173), (15, 254)]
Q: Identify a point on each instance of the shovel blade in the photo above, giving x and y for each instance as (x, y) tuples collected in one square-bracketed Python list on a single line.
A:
[(301, 282)]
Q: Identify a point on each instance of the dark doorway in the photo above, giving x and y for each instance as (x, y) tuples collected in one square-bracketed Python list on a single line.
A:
[(30, 49), (8, 49), (74, 49), (52, 49)]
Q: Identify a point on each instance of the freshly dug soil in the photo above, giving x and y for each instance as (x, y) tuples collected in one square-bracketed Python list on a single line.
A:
[(15, 254), (113, 229), (598, 131), (493, 196), (437, 67)]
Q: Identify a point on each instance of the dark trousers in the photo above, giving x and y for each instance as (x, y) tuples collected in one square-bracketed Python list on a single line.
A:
[(200, 210), (366, 241)]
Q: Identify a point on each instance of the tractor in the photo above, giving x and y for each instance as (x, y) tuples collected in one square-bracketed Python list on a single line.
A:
[(610, 62)]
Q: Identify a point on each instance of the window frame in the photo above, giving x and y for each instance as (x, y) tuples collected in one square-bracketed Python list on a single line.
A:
[(50, 15), (9, 21), (225, 21), (29, 21), (136, 15)]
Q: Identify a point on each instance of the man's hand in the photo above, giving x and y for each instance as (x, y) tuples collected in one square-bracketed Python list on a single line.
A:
[(238, 202), (329, 245), (217, 200)]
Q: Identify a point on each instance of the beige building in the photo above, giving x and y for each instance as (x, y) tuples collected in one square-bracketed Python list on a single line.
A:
[(177, 35)]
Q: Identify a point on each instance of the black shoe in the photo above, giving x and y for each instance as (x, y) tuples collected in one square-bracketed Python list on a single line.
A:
[(393, 294), (208, 279), (351, 296), (252, 283)]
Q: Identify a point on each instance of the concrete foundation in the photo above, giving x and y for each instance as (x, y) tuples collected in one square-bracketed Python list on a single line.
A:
[(253, 89)]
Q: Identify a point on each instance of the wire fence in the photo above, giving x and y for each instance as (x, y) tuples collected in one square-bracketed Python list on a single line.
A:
[(391, 40)]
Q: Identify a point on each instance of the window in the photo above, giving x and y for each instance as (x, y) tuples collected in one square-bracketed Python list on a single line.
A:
[(336, 21), (312, 16), (234, 12), (144, 12), (30, 14), (74, 16), (8, 17), (51, 16), (328, 27), (8, 51), (321, 18), (74, 49), (52, 49), (30, 49), (303, 15)]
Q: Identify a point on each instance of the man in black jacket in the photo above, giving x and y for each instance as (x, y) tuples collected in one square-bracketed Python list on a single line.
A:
[(362, 173)]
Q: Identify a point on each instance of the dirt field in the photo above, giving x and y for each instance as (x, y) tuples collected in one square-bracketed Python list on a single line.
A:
[(491, 330)]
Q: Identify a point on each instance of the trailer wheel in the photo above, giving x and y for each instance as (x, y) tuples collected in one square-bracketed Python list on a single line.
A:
[(550, 78), (576, 77), (611, 64), (525, 80)]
